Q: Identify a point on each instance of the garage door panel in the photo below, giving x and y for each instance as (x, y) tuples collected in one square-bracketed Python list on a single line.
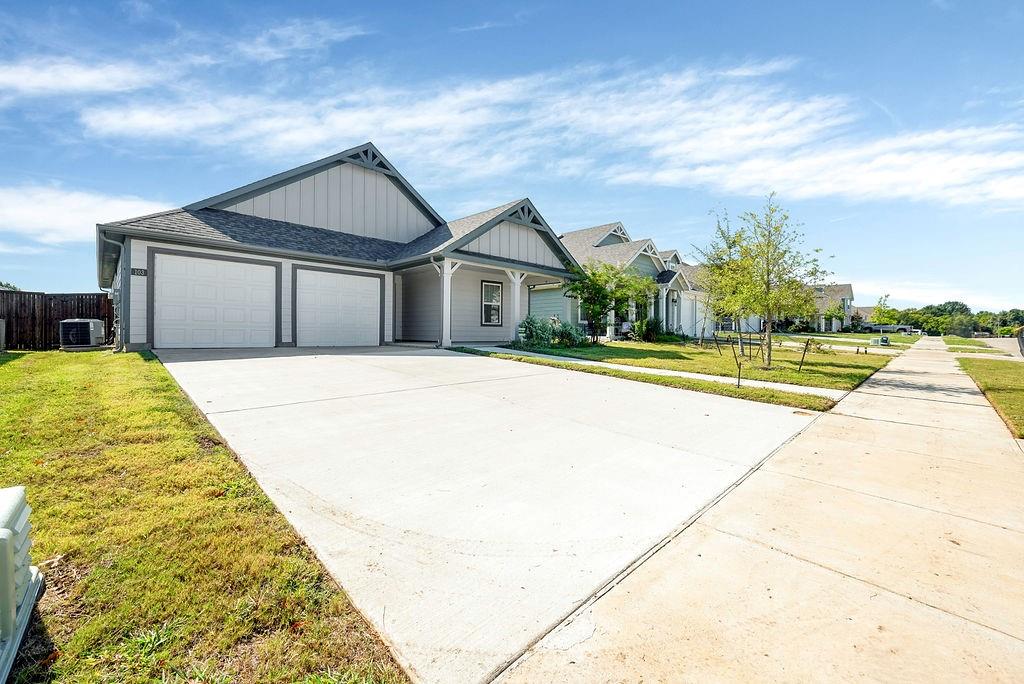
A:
[(337, 309), (203, 302)]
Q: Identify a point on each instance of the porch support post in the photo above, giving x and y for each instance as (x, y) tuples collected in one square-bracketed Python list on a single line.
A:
[(610, 331), (445, 270), (664, 306), (516, 278), (632, 310), (650, 307)]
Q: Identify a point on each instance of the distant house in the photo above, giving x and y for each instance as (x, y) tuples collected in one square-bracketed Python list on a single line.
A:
[(864, 313), (825, 297), (679, 304)]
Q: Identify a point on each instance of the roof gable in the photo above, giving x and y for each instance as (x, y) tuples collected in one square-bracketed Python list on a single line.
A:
[(461, 233), (366, 156)]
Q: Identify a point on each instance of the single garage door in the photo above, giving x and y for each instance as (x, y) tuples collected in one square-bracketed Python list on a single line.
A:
[(336, 309), (199, 302)]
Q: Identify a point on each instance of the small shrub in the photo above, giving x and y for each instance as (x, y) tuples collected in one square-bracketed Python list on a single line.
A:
[(646, 330), (569, 335), (536, 332)]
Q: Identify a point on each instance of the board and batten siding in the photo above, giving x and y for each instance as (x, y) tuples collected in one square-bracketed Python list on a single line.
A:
[(645, 265), (421, 305), (138, 294), (347, 198), (611, 239), (514, 241)]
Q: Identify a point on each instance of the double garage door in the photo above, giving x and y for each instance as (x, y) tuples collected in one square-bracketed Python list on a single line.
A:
[(212, 303)]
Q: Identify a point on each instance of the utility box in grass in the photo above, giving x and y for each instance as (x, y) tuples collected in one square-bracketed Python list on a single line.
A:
[(20, 581)]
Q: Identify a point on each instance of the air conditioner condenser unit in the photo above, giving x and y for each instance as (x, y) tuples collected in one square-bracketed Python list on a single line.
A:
[(82, 332), (20, 581)]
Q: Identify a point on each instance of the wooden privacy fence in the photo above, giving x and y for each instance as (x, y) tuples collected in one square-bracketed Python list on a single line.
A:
[(33, 318)]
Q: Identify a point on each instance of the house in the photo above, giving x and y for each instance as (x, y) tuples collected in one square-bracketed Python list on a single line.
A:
[(339, 252), (825, 297), (680, 303)]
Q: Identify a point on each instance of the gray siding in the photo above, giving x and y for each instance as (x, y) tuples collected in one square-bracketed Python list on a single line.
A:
[(514, 241), (421, 305), (466, 303), (610, 239), (548, 302), (347, 198), (645, 265)]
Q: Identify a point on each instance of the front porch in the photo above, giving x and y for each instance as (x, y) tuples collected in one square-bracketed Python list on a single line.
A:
[(461, 300)]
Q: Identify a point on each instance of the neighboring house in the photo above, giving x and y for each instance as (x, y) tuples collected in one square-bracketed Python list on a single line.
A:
[(827, 295), (341, 251), (864, 313), (679, 303)]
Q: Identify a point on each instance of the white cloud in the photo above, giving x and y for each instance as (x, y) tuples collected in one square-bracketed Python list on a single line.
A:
[(54, 215), (295, 36), (737, 131), (40, 76)]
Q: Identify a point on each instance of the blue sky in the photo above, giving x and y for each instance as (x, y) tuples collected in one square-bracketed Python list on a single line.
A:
[(893, 131)]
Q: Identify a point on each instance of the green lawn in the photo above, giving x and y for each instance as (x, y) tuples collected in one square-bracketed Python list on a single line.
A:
[(896, 338), (766, 396), (976, 350), (164, 561), (834, 370), (1003, 384), (785, 337), (957, 341)]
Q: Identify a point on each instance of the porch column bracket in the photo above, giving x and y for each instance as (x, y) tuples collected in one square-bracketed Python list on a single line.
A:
[(445, 270), (516, 278)]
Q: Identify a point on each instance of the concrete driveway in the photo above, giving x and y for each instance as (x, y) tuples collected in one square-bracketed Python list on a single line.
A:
[(467, 504)]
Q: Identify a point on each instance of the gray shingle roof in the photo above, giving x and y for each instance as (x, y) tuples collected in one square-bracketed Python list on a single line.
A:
[(825, 296), (692, 274), (619, 254), (232, 228), (666, 277), (585, 237), (437, 239)]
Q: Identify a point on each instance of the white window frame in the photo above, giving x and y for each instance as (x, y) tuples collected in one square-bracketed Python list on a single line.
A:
[(485, 303)]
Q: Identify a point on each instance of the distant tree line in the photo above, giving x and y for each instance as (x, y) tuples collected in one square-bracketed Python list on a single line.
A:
[(949, 318)]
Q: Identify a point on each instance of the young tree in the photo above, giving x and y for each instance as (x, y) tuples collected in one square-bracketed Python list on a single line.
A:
[(834, 312), (763, 269), (602, 288), (885, 314)]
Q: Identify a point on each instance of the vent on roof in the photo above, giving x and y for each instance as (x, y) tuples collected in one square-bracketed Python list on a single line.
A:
[(20, 581)]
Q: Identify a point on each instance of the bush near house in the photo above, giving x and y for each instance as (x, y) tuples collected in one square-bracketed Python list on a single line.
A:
[(164, 560)]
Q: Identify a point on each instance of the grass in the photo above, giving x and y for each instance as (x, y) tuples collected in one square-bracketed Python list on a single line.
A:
[(1003, 385), (830, 370), (957, 341), (163, 558), (786, 337), (976, 350), (894, 338), (763, 395)]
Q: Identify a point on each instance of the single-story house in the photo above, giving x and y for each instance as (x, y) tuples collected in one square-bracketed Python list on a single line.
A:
[(680, 303), (339, 252)]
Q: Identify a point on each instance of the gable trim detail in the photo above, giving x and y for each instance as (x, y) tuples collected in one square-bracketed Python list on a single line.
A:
[(366, 156), (523, 213)]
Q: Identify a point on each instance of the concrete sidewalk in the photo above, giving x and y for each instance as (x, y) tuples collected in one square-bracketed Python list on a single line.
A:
[(833, 394), (884, 542)]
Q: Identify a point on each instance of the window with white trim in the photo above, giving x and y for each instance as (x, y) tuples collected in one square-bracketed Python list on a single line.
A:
[(490, 303)]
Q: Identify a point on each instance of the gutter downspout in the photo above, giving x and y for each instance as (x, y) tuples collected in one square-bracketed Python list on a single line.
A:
[(109, 291)]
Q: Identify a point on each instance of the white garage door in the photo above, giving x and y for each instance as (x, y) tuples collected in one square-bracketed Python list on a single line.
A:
[(336, 309), (212, 303)]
